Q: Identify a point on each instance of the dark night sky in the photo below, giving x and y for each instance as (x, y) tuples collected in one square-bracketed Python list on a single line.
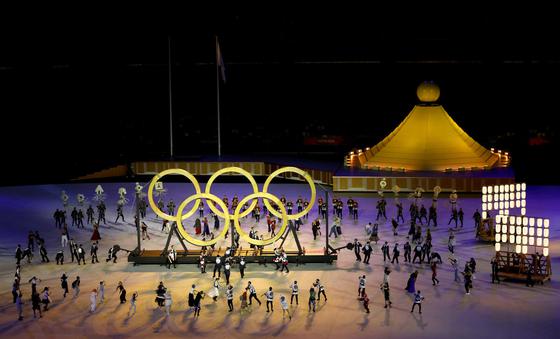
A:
[(87, 93)]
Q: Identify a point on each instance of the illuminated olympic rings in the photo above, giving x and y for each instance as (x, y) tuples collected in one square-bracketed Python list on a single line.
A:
[(225, 213)]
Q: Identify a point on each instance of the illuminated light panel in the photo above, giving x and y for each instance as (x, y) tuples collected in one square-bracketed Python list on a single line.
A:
[(497, 246), (545, 252)]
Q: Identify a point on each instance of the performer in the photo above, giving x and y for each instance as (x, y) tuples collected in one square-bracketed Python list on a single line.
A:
[(171, 207), (417, 253), (168, 302), (80, 218), (95, 236), (192, 293), (454, 217), (218, 267), (60, 257), (400, 212), (252, 293), (206, 227), (229, 297), (385, 250), (451, 242), (133, 304), (361, 285), (93, 300), (122, 292), (365, 300), (386, 294), (33, 281), (396, 253), (197, 304), (216, 221), (357, 249), (101, 212), (461, 215), (418, 298), (36, 303), (321, 288), (119, 213), (215, 291), (242, 265), (299, 203), (43, 252), (81, 255), (227, 268), (64, 284), (285, 307), (160, 294), (145, 234), (202, 263), (374, 233), (172, 257), (305, 205), (46, 300), (435, 280), (367, 252), (76, 287), (495, 268), (101, 291), (74, 215), (355, 210), (410, 284), (311, 299), (432, 215), (423, 214), (200, 209), (395, 225), (455, 265), (477, 219), (269, 299), (295, 292)]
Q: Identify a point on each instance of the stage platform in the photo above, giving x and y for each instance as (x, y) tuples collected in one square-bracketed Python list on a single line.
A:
[(252, 256)]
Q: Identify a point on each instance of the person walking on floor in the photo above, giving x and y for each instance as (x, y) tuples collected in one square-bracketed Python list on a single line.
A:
[(311, 299), (64, 284), (385, 250), (367, 252), (93, 300), (321, 288), (365, 301), (396, 253), (361, 285), (269, 299), (36, 304), (252, 293), (435, 280), (357, 249), (295, 291), (19, 306), (418, 299), (386, 294), (495, 268), (76, 286), (285, 307), (133, 304), (168, 302), (229, 297)]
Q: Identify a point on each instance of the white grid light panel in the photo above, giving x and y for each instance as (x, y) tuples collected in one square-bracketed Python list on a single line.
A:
[(503, 199), (527, 235)]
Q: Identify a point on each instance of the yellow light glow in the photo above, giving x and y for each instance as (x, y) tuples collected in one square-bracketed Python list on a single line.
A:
[(523, 186), (539, 232), (517, 195), (546, 223), (495, 205), (484, 207), (545, 242), (512, 220), (484, 215), (506, 188), (518, 220), (525, 230), (531, 231), (512, 239), (501, 190), (490, 198), (484, 191), (518, 187), (511, 187), (518, 248), (531, 241), (524, 249), (518, 230), (523, 195), (545, 252), (504, 237), (490, 188), (497, 246), (524, 240), (484, 198), (539, 222), (501, 205), (518, 240), (523, 210), (523, 203), (531, 221), (498, 227), (517, 203), (546, 233), (511, 196)]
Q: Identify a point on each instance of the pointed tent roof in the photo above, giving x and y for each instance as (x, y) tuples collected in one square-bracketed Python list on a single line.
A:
[(428, 140)]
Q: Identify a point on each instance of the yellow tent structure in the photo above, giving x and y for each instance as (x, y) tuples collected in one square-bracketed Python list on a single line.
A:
[(427, 140)]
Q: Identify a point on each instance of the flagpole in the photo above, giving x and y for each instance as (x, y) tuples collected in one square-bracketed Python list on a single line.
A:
[(170, 101), (218, 99)]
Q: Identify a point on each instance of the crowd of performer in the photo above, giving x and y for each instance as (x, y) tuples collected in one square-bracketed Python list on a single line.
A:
[(417, 249)]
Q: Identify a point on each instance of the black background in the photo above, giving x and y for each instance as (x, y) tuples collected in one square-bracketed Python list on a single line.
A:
[(79, 93)]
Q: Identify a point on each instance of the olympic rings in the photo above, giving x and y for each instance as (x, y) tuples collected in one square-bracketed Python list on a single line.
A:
[(306, 176), (284, 216), (157, 177), (234, 170), (225, 212), (187, 236)]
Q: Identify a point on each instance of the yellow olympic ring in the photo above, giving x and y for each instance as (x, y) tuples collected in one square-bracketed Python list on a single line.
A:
[(226, 215), (284, 217), (306, 176), (157, 177), (187, 236), (234, 170)]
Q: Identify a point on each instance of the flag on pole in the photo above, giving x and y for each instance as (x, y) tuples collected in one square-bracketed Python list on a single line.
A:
[(220, 61)]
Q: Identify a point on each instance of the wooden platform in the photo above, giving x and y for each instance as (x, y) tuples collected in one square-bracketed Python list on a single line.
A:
[(257, 256), (514, 266)]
